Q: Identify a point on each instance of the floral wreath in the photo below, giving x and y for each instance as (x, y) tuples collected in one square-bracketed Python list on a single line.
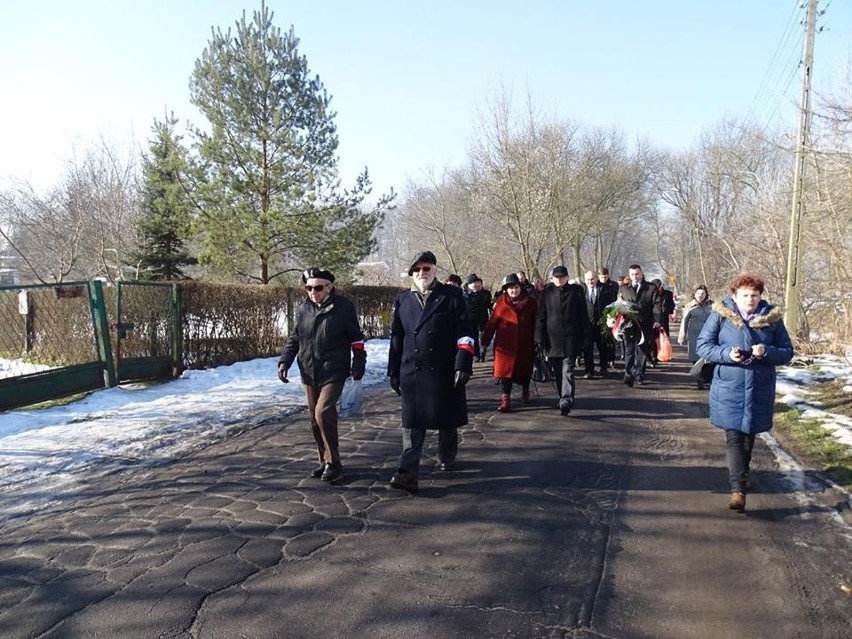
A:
[(618, 318)]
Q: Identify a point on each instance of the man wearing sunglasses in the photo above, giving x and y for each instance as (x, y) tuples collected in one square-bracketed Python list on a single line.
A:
[(429, 362), (325, 333)]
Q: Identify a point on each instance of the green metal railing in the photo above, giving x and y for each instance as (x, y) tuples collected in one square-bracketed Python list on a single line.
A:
[(54, 341), (148, 341)]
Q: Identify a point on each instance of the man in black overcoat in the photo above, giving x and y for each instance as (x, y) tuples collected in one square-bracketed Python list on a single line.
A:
[(667, 304), (638, 343), (429, 362), (479, 310), (597, 298), (560, 330)]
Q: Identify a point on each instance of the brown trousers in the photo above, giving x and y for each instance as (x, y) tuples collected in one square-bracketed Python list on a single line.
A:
[(322, 407)]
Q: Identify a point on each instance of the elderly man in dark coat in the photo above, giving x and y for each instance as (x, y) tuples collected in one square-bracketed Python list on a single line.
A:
[(560, 330), (326, 330), (429, 362)]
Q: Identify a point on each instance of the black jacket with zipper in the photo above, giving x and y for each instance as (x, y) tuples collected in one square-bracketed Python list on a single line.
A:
[(323, 339)]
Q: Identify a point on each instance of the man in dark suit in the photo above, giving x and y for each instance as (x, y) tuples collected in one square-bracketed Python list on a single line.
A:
[(597, 298), (611, 287), (638, 341), (560, 330), (429, 362)]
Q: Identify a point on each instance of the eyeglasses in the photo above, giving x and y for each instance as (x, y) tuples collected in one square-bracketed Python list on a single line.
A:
[(417, 269), (318, 288)]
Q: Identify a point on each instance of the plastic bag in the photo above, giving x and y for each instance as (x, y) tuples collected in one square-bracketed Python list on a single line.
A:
[(352, 398), (664, 347)]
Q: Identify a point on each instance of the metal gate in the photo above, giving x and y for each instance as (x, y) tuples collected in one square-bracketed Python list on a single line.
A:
[(148, 331), (54, 341)]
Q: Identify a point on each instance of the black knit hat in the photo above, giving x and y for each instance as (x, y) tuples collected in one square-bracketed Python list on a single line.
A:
[(423, 256), (473, 277), (316, 273)]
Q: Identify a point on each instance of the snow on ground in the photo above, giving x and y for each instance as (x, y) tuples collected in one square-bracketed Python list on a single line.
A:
[(17, 367), (42, 452), (792, 389)]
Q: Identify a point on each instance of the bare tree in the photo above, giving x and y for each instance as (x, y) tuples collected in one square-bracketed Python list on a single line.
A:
[(722, 194), (521, 172), (80, 228)]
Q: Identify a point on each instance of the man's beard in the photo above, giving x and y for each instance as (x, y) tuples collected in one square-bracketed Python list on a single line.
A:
[(422, 285)]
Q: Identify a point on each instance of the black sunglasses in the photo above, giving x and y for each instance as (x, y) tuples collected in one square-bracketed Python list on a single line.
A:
[(318, 288), (417, 269)]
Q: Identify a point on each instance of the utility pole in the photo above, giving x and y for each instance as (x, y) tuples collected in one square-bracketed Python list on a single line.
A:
[(794, 266)]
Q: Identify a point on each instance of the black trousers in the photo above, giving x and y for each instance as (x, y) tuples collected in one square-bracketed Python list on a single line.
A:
[(506, 384), (635, 357), (738, 447), (595, 339)]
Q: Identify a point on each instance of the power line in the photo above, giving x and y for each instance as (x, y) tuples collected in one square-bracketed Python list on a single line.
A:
[(777, 77)]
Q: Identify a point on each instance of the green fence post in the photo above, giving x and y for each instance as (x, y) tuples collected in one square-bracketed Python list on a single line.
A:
[(177, 334), (101, 327)]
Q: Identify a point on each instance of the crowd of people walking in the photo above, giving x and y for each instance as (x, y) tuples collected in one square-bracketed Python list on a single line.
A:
[(440, 328)]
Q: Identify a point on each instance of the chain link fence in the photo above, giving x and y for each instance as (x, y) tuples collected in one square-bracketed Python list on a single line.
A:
[(145, 326), (57, 340), (45, 327)]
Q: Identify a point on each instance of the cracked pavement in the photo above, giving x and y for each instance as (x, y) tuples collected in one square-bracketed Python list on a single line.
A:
[(611, 522)]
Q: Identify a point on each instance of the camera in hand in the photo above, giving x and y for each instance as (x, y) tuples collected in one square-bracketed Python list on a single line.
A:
[(746, 353)]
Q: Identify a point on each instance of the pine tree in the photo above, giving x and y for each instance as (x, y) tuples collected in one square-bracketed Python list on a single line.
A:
[(270, 196), (164, 222)]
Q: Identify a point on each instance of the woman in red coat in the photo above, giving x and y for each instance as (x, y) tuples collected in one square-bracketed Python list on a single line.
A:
[(512, 327)]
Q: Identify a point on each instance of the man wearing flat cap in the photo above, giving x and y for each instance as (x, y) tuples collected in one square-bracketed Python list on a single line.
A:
[(560, 331), (429, 362), (326, 331)]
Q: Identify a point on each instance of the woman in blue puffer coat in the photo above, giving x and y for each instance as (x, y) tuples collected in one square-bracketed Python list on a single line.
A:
[(746, 338)]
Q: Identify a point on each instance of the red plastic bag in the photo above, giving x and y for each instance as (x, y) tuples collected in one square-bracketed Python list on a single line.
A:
[(664, 347)]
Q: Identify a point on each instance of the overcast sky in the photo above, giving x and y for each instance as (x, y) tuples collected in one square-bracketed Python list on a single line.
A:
[(408, 79)]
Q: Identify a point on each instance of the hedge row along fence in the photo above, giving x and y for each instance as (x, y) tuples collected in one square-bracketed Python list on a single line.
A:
[(223, 324), (57, 340)]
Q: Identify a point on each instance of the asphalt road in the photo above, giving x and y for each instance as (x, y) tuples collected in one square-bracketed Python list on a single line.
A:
[(610, 522)]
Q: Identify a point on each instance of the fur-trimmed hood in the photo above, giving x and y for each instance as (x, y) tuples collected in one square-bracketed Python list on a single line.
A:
[(766, 314)]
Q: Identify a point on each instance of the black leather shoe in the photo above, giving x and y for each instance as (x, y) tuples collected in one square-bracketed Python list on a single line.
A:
[(628, 380), (588, 376), (317, 472), (332, 472), (404, 481), (447, 465)]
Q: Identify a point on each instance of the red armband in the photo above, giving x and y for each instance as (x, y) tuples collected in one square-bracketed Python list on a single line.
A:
[(466, 344)]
